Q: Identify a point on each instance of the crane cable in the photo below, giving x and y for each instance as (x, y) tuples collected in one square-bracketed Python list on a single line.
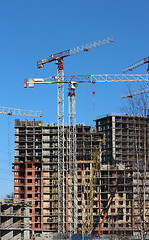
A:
[(93, 101)]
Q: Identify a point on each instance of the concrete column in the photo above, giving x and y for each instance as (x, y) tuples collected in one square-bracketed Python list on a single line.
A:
[(27, 224)]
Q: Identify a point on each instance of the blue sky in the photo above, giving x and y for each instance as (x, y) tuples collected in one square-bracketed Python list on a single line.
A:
[(33, 30)]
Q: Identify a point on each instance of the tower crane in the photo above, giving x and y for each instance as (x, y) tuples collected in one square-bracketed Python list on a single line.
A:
[(72, 80), (58, 58), (16, 111), (134, 93), (131, 94), (138, 64), (92, 78)]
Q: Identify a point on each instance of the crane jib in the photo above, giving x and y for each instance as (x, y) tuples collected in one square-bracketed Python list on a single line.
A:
[(62, 54), (69, 52)]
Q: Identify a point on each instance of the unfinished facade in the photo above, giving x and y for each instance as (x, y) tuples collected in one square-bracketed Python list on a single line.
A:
[(14, 220), (102, 169), (126, 162), (36, 173)]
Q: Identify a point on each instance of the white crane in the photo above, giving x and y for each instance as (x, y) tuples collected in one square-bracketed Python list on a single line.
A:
[(72, 80), (16, 111), (58, 58)]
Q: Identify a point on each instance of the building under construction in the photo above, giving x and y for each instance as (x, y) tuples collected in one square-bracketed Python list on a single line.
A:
[(14, 220), (126, 161), (116, 169), (36, 172)]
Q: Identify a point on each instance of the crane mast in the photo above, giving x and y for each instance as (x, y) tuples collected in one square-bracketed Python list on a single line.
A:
[(61, 165), (72, 157), (72, 80), (58, 57)]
